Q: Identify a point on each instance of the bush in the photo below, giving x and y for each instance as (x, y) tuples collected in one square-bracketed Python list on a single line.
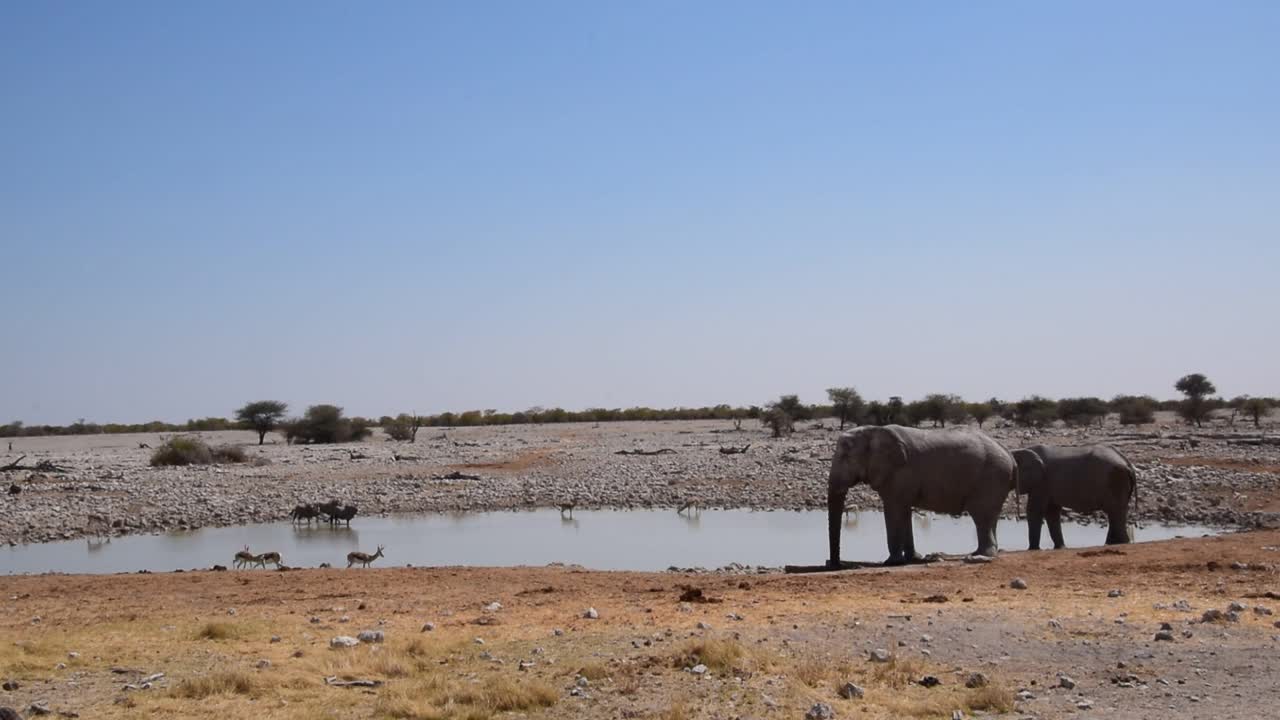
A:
[(1035, 411), (325, 424), (228, 454), (1081, 412), (182, 450), (1135, 409), (190, 450)]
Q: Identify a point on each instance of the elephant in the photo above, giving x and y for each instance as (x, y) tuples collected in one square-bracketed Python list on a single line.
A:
[(1085, 479), (945, 471)]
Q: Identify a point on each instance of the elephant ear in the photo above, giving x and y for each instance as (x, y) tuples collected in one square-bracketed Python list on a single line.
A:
[(887, 454), (1030, 470)]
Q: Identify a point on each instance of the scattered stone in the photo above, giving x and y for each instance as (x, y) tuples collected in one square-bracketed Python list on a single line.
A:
[(1115, 593), (370, 636), (10, 685), (976, 680), (343, 641), (479, 641), (1084, 705), (582, 682), (820, 711), (849, 691), (263, 664), (524, 665), (1066, 682), (698, 669), (1055, 624), (231, 611), (39, 709), (557, 632), (1164, 636), (704, 625), (880, 655), (929, 681), (1212, 615), (591, 614), (315, 621), (494, 606), (1025, 695), (344, 619), (428, 627), (1260, 611), (1235, 606), (1018, 584)]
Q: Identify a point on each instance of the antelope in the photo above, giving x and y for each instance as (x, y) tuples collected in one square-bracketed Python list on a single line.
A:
[(268, 557), (244, 557), (692, 505), (567, 507), (363, 558)]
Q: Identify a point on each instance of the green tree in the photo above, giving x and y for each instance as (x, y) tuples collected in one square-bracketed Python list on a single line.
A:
[(940, 408), (1255, 408), (262, 416), (403, 427), (791, 405), (1197, 388), (847, 404), (980, 412)]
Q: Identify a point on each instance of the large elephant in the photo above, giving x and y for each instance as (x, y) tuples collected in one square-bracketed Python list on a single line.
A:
[(946, 471), (1085, 479)]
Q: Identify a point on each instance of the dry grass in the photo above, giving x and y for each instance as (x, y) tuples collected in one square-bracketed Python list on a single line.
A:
[(219, 631), (677, 711), (717, 655), (227, 682), (898, 673), (991, 698), (594, 671), (810, 670)]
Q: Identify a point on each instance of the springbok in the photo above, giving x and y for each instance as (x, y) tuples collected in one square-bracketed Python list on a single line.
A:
[(268, 557), (363, 558), (691, 505), (244, 557)]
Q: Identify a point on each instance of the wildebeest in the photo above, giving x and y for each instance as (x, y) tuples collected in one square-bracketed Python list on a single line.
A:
[(305, 511)]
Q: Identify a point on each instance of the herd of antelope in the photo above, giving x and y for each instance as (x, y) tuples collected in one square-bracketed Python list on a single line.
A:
[(333, 512), (246, 558)]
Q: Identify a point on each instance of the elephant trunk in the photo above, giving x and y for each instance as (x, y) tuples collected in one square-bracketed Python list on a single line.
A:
[(835, 509)]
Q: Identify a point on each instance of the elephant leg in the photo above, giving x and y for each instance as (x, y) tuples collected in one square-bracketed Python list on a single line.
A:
[(1117, 528), (896, 520), (1053, 517), (1035, 517), (908, 541), (986, 527)]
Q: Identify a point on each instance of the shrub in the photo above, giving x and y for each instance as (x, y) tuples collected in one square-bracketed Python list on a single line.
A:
[(1134, 409), (846, 403), (1035, 411), (227, 454), (325, 424), (980, 412), (403, 428), (1081, 412), (182, 450)]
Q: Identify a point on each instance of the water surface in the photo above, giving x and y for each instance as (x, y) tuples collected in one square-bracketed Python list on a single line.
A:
[(601, 539)]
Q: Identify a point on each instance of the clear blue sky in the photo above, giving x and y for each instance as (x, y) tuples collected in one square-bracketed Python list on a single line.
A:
[(427, 206)]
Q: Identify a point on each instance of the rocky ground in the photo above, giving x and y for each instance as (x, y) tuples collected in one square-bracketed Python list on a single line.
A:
[(1216, 476), (1177, 629)]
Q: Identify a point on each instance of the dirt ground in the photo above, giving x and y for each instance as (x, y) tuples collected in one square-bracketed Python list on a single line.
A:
[(241, 643)]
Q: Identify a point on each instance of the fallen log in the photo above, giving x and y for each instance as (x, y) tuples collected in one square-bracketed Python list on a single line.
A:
[(455, 475), (404, 458), (662, 451), (735, 451), (15, 465)]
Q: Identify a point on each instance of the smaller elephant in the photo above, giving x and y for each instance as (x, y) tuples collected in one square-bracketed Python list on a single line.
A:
[(1084, 479)]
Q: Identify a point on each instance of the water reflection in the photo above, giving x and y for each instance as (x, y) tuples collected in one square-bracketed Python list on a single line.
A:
[(640, 540)]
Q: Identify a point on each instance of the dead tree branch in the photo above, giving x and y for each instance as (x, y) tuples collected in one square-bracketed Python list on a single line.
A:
[(735, 451), (662, 451)]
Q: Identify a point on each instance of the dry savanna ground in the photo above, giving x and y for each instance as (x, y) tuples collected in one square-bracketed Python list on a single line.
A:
[(236, 644)]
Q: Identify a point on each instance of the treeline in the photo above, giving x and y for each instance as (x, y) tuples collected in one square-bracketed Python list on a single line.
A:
[(327, 424)]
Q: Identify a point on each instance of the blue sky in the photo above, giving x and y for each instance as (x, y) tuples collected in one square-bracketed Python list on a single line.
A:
[(428, 206)]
